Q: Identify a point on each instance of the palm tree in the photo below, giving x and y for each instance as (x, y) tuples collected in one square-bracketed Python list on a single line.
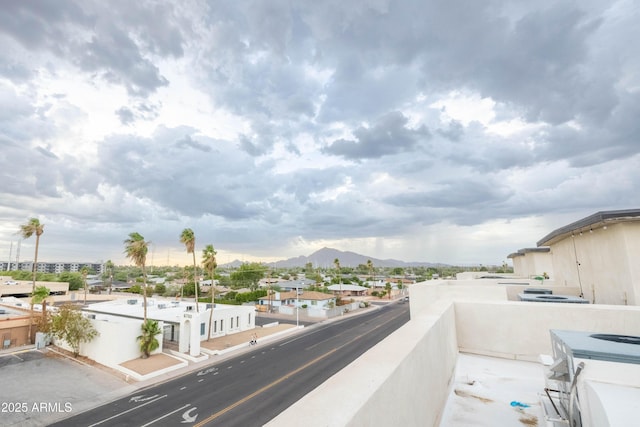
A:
[(27, 230), (148, 340), (109, 266), (209, 263), (336, 262), (188, 238), (39, 296), (84, 271), (370, 267), (136, 248)]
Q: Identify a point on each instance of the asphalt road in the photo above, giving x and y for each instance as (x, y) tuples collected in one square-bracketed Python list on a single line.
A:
[(251, 389)]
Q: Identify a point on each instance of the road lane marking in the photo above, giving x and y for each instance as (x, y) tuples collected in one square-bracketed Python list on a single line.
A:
[(265, 388), (166, 415), (287, 376), (127, 411), (186, 418)]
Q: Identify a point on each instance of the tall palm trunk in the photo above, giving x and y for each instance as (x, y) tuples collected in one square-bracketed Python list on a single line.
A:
[(195, 280), (33, 288), (144, 291), (213, 302)]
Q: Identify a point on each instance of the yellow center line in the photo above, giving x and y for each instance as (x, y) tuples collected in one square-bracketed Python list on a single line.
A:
[(263, 389), (278, 381)]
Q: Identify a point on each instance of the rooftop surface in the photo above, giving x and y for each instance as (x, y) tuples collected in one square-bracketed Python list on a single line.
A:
[(485, 387), (167, 310)]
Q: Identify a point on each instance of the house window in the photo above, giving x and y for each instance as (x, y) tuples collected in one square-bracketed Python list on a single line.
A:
[(314, 302), (202, 329), (221, 325), (232, 323), (249, 319), (215, 326), (238, 321)]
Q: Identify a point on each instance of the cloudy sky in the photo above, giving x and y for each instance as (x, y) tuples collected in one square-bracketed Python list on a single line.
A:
[(455, 131)]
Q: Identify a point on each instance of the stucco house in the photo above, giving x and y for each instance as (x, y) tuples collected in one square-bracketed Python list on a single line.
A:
[(183, 326), (599, 254), (308, 298), (348, 290)]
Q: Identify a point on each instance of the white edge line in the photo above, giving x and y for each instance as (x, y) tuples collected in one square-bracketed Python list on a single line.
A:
[(128, 410), (166, 415)]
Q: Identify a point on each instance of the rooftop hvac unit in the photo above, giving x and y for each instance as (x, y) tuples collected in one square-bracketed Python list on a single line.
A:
[(91, 316), (538, 291), (572, 350), (552, 298), (189, 308), (132, 301), (162, 306)]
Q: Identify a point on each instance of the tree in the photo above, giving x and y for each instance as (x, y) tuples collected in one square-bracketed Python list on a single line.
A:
[(387, 287), (188, 238), (370, 268), (248, 275), (148, 341), (136, 248), (209, 263), (27, 230), (71, 326), (84, 271), (336, 262), (109, 267), (40, 295), (397, 271)]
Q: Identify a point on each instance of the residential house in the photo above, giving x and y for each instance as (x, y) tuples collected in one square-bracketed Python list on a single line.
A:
[(298, 299), (348, 290)]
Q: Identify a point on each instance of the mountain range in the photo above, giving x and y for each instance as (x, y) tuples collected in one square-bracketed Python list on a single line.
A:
[(325, 257)]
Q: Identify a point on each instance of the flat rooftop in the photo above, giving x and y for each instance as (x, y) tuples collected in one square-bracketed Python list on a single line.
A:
[(484, 388), (164, 309)]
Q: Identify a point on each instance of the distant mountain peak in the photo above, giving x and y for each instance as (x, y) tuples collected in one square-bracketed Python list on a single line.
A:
[(323, 258)]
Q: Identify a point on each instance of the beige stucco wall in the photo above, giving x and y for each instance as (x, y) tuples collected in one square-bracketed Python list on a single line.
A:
[(608, 270), (538, 263), (530, 264), (518, 266), (520, 330)]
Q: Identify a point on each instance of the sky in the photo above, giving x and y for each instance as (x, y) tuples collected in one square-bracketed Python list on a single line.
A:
[(455, 132)]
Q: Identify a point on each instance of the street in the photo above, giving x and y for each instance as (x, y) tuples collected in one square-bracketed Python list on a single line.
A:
[(254, 387)]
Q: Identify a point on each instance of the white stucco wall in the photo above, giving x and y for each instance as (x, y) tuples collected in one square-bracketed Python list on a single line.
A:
[(608, 270), (520, 330), (538, 263), (116, 342)]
